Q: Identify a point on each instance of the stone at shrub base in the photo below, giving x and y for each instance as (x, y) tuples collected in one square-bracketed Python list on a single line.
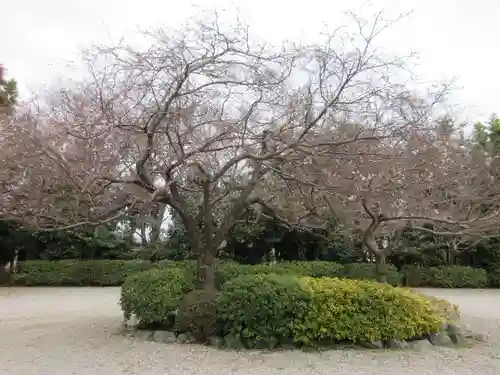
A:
[(185, 338), (287, 344), (166, 337), (372, 344), (396, 344), (143, 334), (420, 344), (440, 339), (216, 341), (233, 342)]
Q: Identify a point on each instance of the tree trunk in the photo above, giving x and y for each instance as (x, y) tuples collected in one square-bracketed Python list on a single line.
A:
[(206, 269), (381, 266), (144, 240)]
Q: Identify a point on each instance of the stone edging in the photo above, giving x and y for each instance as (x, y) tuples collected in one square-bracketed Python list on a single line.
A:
[(451, 336)]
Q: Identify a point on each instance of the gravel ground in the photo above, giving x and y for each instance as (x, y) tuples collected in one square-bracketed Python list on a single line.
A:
[(67, 331)]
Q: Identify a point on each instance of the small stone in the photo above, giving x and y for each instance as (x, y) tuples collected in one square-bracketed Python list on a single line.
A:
[(457, 338), (477, 337), (372, 344), (233, 342), (420, 344), (440, 339), (287, 344), (452, 329), (396, 344), (143, 334), (185, 338), (166, 337), (216, 341)]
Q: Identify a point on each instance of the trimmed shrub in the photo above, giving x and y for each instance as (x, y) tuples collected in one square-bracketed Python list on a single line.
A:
[(230, 270), (198, 314), (152, 296), (446, 277), (261, 309), (357, 310), (367, 271), (417, 276), (312, 268), (449, 312), (82, 272), (266, 309)]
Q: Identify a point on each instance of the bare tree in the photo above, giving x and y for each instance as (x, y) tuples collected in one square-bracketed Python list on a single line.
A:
[(413, 173), (198, 121)]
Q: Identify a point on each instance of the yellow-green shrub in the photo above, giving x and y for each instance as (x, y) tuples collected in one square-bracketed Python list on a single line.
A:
[(356, 310)]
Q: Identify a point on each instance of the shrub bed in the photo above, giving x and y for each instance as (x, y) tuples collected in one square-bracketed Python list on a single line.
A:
[(265, 310), (446, 277)]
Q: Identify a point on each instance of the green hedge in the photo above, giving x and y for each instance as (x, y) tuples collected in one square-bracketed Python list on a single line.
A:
[(266, 309), (228, 271), (152, 295), (114, 272), (445, 277), (367, 271), (81, 273)]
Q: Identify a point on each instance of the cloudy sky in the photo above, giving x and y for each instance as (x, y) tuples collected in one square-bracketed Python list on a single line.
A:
[(454, 38)]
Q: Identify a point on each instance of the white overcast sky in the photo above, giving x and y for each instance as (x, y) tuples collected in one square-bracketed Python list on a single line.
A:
[(454, 38)]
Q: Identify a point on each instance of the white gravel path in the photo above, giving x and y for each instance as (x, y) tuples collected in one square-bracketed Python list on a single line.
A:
[(73, 331)]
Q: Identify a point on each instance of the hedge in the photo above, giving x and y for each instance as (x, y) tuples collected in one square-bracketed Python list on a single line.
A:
[(153, 295), (367, 271), (114, 272), (81, 273), (445, 277), (266, 309), (230, 270)]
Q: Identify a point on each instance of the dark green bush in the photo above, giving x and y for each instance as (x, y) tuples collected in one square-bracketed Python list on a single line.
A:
[(155, 294), (367, 271), (198, 314), (81, 273), (262, 307), (230, 270), (312, 268), (417, 276), (446, 277)]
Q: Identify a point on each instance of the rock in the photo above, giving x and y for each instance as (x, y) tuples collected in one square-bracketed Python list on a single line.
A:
[(185, 338), (233, 342), (440, 339), (165, 337), (143, 334), (216, 341), (287, 344), (372, 344), (452, 328), (396, 344), (420, 344), (477, 337), (265, 344)]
